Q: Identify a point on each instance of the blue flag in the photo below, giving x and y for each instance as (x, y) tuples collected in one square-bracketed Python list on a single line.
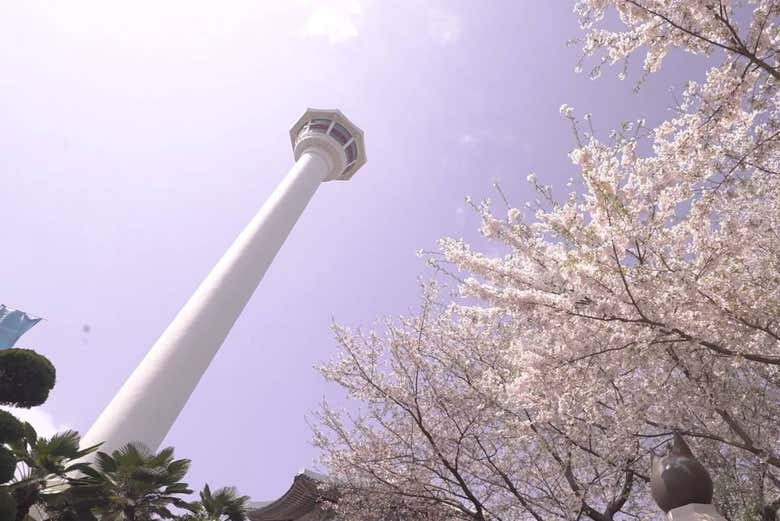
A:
[(13, 324)]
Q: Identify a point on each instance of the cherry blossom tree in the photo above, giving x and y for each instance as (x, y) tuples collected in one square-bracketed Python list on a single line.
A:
[(644, 302), (441, 436)]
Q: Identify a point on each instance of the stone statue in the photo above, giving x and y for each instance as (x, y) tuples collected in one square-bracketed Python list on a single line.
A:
[(678, 479)]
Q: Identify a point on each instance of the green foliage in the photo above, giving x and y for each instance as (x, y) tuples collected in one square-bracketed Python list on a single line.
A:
[(134, 484), (52, 456), (25, 378), (224, 504), (11, 429), (25, 381), (129, 484), (48, 462), (7, 465), (7, 505)]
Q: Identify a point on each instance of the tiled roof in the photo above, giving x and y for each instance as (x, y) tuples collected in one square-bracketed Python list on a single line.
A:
[(300, 499)]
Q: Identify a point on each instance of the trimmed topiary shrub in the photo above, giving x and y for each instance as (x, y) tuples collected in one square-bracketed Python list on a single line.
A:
[(7, 506), (25, 378), (11, 429), (7, 465)]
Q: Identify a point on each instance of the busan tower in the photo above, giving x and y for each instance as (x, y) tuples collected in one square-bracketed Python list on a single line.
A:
[(327, 147)]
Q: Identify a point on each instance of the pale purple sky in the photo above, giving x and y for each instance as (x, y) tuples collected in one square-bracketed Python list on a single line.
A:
[(139, 137)]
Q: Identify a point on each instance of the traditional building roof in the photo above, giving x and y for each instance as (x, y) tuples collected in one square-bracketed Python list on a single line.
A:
[(302, 500)]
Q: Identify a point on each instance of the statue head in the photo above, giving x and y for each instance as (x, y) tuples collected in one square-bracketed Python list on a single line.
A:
[(678, 479)]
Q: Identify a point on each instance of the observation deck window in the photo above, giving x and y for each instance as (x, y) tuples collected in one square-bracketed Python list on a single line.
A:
[(340, 134), (351, 152), (320, 126)]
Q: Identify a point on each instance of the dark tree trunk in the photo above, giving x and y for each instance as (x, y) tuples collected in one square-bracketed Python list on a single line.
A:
[(25, 498)]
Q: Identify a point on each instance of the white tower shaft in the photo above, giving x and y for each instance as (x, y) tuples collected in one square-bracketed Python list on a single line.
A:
[(152, 397)]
